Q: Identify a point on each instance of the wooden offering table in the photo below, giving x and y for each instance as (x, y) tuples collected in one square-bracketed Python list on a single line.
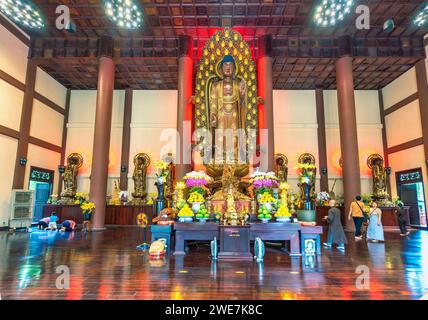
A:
[(235, 243), (265, 231), (278, 232), (193, 231)]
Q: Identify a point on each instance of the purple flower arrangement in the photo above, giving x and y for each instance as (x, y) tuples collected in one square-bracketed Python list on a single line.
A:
[(196, 182), (265, 183)]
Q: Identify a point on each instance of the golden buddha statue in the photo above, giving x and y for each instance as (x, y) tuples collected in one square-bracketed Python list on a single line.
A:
[(115, 197), (281, 167), (231, 216), (226, 105), (74, 162), (375, 163), (141, 163), (170, 178)]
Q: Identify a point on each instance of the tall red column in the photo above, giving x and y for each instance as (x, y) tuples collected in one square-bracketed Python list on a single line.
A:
[(348, 126), (103, 115), (184, 111), (265, 63)]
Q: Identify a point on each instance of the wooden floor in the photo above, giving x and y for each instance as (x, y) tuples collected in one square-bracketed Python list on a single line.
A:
[(106, 265)]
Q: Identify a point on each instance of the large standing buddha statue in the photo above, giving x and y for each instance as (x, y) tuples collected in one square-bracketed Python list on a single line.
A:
[(226, 105)]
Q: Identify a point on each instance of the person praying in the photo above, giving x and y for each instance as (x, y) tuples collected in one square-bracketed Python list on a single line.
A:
[(53, 219), (44, 223), (68, 226)]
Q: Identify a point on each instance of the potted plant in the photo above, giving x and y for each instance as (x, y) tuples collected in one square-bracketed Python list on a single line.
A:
[(202, 214), (185, 214)]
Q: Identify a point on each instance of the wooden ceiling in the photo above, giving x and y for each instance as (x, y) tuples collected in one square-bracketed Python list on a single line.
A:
[(304, 55)]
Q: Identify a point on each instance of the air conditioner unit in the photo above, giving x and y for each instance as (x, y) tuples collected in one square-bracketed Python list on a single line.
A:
[(22, 204)]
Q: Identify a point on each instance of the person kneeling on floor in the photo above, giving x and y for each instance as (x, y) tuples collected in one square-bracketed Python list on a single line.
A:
[(44, 223), (52, 223), (335, 228), (68, 226)]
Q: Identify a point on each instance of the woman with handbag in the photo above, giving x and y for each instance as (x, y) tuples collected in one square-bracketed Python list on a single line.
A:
[(356, 212)]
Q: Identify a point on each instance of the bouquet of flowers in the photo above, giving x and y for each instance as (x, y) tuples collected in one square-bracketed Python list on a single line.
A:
[(53, 199), (263, 182), (305, 171), (196, 181), (87, 206), (161, 171), (322, 197)]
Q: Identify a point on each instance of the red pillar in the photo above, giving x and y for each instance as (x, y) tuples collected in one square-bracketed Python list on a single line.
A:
[(184, 112), (100, 156), (265, 63), (348, 127)]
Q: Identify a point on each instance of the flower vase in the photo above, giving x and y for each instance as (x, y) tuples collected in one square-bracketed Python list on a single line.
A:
[(87, 216), (160, 200)]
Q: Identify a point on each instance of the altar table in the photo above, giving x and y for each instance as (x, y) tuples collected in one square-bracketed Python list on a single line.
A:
[(265, 231)]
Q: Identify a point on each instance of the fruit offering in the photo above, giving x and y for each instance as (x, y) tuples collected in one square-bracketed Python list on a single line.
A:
[(185, 211), (195, 197), (202, 213), (267, 197), (264, 213), (283, 211)]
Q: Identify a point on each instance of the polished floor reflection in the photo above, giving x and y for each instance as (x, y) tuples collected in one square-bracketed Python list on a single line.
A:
[(106, 265)]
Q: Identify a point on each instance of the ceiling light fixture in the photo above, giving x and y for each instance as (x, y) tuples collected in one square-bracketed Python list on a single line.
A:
[(125, 13), (329, 12), (421, 19), (23, 12)]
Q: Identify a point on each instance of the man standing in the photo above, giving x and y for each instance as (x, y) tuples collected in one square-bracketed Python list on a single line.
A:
[(335, 228), (356, 212)]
